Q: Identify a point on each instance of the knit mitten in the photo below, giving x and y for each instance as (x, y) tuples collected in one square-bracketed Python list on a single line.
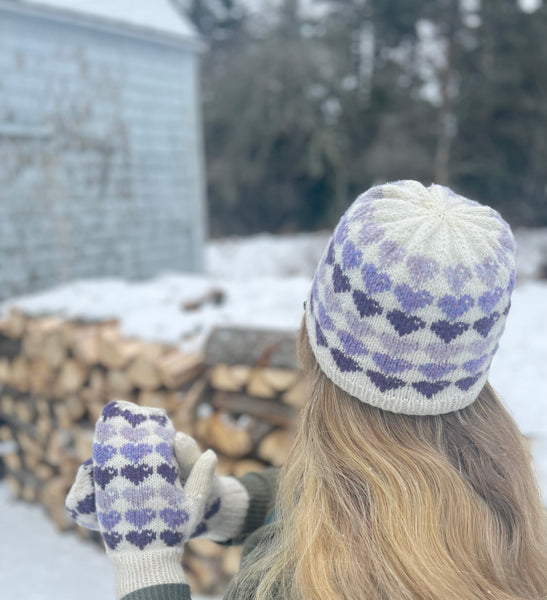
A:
[(225, 509), (145, 514)]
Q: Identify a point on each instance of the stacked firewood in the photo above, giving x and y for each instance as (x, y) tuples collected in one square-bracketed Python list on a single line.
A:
[(239, 396)]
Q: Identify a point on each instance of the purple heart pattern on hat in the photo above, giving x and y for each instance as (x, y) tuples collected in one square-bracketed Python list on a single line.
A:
[(410, 298)]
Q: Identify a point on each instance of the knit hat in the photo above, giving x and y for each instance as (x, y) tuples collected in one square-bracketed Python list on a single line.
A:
[(409, 299)]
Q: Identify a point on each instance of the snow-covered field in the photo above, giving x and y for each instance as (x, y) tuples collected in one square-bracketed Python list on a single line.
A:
[(264, 280)]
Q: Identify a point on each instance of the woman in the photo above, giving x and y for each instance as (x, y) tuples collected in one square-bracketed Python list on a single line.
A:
[(407, 478)]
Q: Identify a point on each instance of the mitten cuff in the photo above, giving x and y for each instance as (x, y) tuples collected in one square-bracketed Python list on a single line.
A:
[(136, 570)]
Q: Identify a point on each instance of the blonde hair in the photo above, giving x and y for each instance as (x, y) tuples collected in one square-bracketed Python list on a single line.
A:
[(382, 506)]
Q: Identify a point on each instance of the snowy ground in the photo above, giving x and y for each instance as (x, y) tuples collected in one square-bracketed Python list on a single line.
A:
[(265, 280)]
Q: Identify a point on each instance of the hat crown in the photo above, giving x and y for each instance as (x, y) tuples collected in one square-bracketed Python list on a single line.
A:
[(410, 297)]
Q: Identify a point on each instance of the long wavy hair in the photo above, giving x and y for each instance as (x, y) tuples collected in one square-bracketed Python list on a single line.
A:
[(381, 506)]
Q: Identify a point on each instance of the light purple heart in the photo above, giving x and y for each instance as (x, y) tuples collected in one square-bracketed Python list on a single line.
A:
[(438, 351), (174, 517), (166, 451), (135, 452), (489, 299), (102, 453), (389, 364), (138, 495), (371, 233), (390, 252), (351, 256), (135, 435), (104, 431), (436, 371), (487, 271), (480, 346), (341, 231), (455, 306), (332, 300), (457, 277), (398, 346), (375, 282), (412, 300), (110, 519), (473, 365), (360, 328), (105, 499), (164, 433), (351, 345), (324, 320), (422, 268), (172, 495)]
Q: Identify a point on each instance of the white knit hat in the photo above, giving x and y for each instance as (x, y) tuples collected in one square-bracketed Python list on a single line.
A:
[(410, 297)]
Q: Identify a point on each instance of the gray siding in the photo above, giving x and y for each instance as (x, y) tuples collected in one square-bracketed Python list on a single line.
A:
[(100, 155)]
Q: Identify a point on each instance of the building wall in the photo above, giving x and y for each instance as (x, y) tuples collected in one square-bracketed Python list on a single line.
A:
[(100, 155)]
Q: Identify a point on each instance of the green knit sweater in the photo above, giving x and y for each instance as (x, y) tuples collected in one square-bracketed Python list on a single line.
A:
[(262, 490)]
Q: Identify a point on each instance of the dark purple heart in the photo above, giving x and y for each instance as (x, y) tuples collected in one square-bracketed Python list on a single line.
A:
[(345, 363), (213, 509), (389, 364), (174, 517), (330, 254), (168, 472), (321, 339), (412, 300), (429, 388), (136, 452), (484, 325), (506, 309), (86, 506), (422, 268), (489, 300), (136, 473), (403, 323), (165, 450), (199, 530), (455, 306), (457, 277), (103, 477), (366, 306), (141, 539), (436, 371), (465, 383), (375, 282), (383, 382), (112, 409), (340, 281), (171, 538), (161, 419), (351, 344), (140, 517), (110, 519), (88, 463), (112, 539), (134, 419), (449, 331), (103, 453), (473, 365), (351, 256)]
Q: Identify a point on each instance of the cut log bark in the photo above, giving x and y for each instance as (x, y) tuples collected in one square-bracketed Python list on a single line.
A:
[(273, 412)]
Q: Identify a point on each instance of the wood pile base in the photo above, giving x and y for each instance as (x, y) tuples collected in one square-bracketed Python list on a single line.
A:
[(56, 375)]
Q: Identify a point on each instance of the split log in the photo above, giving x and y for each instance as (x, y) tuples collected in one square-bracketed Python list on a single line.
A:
[(175, 368), (279, 379), (231, 560), (117, 384), (221, 433), (83, 443), (115, 352), (247, 466), (25, 410), (204, 548), (4, 371), (229, 378), (53, 496), (41, 376), (71, 378), (13, 325), (182, 414), (41, 333), (19, 374), (143, 372), (275, 447), (7, 405), (84, 343), (298, 395)]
